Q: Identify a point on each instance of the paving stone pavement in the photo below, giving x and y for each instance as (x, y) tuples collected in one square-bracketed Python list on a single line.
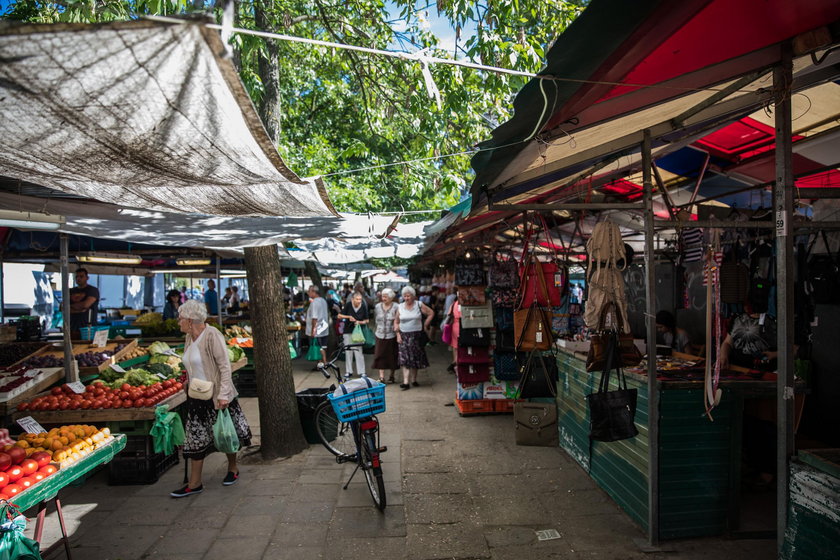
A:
[(457, 488)]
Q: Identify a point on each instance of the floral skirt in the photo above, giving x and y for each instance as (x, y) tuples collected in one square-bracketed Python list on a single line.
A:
[(198, 427), (412, 355)]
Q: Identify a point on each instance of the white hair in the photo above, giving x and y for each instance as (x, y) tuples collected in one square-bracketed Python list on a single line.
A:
[(388, 292), (193, 310), (408, 290)]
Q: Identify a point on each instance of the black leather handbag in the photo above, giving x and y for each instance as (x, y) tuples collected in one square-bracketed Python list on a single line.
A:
[(612, 413), (538, 376), (474, 337)]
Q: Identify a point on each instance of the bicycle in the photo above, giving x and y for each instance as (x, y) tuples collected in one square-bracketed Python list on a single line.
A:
[(348, 427)]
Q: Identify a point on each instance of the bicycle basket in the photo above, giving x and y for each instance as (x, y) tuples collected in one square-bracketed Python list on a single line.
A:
[(359, 404)]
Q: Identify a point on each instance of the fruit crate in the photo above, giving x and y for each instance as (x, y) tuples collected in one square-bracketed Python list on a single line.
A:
[(138, 463), (471, 407)]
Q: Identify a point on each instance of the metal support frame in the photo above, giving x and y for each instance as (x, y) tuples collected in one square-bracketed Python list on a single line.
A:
[(653, 385), (568, 206), (783, 207), (71, 373)]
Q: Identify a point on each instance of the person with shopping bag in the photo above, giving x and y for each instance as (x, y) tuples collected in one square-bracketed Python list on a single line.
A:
[(210, 391), (355, 316)]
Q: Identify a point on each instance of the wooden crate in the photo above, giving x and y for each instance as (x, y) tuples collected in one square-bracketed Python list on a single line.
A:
[(8, 333), (82, 347), (46, 380), (89, 416)]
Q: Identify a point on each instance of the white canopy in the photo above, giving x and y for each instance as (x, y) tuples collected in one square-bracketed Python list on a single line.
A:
[(144, 115)]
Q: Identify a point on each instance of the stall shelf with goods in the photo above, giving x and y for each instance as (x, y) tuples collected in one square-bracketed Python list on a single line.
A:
[(700, 460)]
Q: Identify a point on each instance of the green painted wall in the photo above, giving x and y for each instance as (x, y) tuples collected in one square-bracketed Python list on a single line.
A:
[(813, 531), (695, 454)]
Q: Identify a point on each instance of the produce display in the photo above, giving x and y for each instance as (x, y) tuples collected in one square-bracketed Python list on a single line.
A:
[(12, 379), (85, 359), (235, 331), (5, 438), (16, 351), (152, 325), (136, 352), (98, 395), (64, 445), (22, 465)]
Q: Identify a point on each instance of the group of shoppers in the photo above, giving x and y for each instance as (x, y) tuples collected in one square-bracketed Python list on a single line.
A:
[(401, 331)]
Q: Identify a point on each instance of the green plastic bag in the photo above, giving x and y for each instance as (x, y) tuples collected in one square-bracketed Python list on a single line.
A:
[(224, 433), (358, 334), (292, 351), (13, 544), (370, 340), (292, 280), (314, 353), (167, 432)]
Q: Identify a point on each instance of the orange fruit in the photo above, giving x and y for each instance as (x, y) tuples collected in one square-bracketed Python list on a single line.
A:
[(23, 444), (56, 445)]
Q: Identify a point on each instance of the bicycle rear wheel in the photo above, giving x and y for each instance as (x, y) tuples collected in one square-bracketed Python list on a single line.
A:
[(335, 435), (373, 475)]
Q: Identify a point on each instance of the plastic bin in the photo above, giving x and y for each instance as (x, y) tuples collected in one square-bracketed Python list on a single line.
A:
[(138, 463), (245, 381), (88, 333), (308, 401)]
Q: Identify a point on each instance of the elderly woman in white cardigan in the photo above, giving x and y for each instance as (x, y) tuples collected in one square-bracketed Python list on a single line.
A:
[(206, 360)]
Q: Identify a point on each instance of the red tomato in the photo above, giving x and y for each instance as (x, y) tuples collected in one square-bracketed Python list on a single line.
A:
[(107, 404), (125, 386), (4, 480), (23, 406), (90, 388), (4, 497), (38, 476), (27, 481), (15, 473), (116, 403), (98, 392), (56, 391), (13, 490), (17, 455), (67, 390), (85, 404), (48, 470), (29, 466), (42, 458), (168, 383), (128, 403)]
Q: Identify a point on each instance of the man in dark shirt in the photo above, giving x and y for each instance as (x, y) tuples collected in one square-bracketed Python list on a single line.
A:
[(83, 313), (211, 298)]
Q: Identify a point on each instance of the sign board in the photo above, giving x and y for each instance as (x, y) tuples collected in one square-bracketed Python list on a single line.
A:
[(77, 386), (117, 368), (100, 339), (30, 373), (30, 425)]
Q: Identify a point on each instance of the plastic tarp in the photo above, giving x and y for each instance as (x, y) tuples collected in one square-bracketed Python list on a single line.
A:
[(141, 114), (328, 240)]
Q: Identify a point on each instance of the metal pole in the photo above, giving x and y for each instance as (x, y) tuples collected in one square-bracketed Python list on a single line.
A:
[(2, 290), (783, 206), (71, 373), (493, 207), (219, 288), (653, 388)]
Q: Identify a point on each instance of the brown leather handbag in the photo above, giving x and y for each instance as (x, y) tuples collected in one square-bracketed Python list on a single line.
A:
[(596, 360), (532, 325)]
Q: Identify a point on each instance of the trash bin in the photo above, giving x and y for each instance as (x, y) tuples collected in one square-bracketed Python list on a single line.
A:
[(308, 401)]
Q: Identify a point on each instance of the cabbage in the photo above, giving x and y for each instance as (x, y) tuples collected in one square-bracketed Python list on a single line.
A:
[(159, 359), (235, 353), (158, 347)]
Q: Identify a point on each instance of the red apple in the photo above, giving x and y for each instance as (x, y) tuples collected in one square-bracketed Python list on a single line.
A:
[(42, 457), (17, 454)]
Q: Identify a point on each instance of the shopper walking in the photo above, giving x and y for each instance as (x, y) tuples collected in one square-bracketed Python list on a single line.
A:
[(355, 313), (410, 328), (317, 322), (206, 360), (385, 354)]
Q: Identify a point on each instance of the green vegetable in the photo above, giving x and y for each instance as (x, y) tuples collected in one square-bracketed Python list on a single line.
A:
[(235, 353), (164, 369), (158, 347)]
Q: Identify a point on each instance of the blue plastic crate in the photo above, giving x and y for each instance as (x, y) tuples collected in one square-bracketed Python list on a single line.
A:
[(89, 332), (363, 403)]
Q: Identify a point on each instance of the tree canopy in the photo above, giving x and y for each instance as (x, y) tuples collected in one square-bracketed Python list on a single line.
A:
[(339, 111)]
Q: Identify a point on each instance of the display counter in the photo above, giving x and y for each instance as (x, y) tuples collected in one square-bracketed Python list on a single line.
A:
[(699, 459)]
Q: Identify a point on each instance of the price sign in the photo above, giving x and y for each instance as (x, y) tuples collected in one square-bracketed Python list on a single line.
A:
[(77, 387), (171, 352), (781, 223), (30, 373), (162, 376), (30, 425), (117, 368), (100, 339)]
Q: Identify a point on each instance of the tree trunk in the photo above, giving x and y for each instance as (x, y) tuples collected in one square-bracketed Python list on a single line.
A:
[(269, 71), (281, 434)]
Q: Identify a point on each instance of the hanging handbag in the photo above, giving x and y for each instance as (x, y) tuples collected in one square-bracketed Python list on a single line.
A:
[(503, 273), (474, 337), (200, 389), (612, 413), (629, 354), (473, 355), (504, 297), (472, 373), (472, 295), (469, 273), (553, 277), (536, 424), (505, 341), (446, 333), (532, 329), (504, 319), (506, 365), (476, 316), (823, 274), (538, 376)]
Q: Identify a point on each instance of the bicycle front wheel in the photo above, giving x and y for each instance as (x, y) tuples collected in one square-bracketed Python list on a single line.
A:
[(373, 475), (335, 435)]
